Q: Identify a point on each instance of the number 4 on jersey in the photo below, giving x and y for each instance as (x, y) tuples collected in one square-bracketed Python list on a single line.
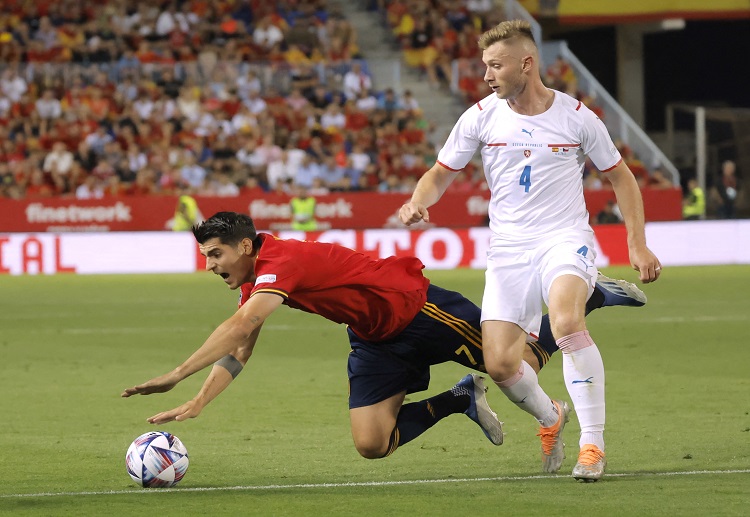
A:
[(525, 180)]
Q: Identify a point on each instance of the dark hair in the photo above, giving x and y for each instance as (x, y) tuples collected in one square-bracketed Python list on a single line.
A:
[(229, 227)]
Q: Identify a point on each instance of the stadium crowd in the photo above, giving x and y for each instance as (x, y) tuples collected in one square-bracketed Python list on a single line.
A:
[(439, 39), (118, 97)]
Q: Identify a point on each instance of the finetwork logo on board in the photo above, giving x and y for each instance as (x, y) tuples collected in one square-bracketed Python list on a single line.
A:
[(39, 213)]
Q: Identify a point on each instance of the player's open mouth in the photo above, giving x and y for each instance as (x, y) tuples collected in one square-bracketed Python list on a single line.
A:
[(224, 275)]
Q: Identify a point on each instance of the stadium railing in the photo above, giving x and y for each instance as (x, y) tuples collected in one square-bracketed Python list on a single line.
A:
[(621, 125)]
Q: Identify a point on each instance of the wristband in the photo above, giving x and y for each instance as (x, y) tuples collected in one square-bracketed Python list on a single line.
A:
[(230, 364)]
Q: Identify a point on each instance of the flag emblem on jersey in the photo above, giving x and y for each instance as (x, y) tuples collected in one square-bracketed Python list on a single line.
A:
[(527, 152)]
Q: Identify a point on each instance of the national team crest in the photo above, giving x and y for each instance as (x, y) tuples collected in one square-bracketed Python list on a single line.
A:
[(527, 152)]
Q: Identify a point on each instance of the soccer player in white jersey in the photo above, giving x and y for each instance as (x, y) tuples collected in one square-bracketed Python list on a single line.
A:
[(533, 142)]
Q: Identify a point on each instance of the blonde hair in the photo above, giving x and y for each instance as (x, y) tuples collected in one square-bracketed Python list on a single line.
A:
[(506, 30)]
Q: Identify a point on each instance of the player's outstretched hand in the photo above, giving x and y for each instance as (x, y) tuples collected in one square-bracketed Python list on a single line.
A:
[(189, 409), (646, 263), (412, 212), (160, 384)]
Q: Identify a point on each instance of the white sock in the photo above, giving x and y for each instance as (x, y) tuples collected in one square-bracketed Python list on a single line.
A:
[(524, 391), (583, 371)]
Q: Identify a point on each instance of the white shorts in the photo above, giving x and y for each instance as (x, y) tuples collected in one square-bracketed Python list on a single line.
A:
[(518, 280)]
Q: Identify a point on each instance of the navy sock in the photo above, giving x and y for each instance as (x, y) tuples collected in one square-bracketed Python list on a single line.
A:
[(417, 417)]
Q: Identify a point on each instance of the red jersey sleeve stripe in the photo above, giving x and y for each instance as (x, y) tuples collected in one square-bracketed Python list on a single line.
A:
[(579, 106), (449, 168), (615, 165), (479, 106), (281, 293)]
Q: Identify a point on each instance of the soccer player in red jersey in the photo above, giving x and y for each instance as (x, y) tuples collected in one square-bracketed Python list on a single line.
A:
[(398, 326)]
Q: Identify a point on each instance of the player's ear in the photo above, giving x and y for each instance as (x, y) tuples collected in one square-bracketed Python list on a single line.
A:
[(526, 63), (247, 246)]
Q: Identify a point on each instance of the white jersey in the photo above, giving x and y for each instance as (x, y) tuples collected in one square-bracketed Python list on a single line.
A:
[(533, 164)]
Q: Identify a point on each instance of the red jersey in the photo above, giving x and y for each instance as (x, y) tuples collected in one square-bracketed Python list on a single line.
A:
[(377, 298)]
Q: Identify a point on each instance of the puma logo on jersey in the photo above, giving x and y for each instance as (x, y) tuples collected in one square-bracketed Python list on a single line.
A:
[(528, 132)]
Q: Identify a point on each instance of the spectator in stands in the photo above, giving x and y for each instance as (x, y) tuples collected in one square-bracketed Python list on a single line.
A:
[(247, 82), (610, 214), (694, 204), (410, 103), (356, 80), (462, 184), (91, 188), (255, 103), (166, 21), (332, 119), (12, 85), (367, 102), (169, 84), (657, 180), (47, 106), (60, 160), (418, 52), (252, 187), (389, 102), (127, 87), (192, 173), (727, 189), (282, 169), (303, 35), (308, 170), (318, 188), (332, 174), (94, 142), (223, 186), (266, 34), (296, 100), (561, 76)]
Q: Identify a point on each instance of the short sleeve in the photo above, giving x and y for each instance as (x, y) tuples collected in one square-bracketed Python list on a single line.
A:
[(462, 142), (596, 142)]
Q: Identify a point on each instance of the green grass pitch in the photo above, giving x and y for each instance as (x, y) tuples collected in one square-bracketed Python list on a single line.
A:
[(277, 442)]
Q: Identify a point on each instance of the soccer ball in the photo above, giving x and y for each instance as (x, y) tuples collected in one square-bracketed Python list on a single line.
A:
[(157, 459)]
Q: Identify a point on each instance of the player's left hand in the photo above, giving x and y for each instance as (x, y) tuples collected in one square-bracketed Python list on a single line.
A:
[(646, 263), (189, 409), (160, 384)]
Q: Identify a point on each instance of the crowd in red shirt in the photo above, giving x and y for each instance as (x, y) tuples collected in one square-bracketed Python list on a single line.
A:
[(119, 97)]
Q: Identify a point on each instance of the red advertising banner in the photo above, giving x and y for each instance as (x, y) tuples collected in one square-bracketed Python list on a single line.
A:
[(722, 242), (271, 212)]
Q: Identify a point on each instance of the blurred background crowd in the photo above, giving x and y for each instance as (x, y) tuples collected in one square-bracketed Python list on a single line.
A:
[(118, 97)]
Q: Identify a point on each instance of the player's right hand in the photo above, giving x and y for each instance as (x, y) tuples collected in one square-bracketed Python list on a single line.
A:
[(160, 384), (189, 409), (412, 212)]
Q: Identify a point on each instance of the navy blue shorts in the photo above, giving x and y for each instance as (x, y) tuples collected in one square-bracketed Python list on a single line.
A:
[(446, 329)]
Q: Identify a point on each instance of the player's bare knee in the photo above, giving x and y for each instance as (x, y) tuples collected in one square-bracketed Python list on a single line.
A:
[(502, 369), (371, 450), (566, 325)]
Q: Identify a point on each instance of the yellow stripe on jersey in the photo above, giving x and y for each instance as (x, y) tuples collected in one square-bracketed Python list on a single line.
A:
[(281, 293), (461, 326)]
